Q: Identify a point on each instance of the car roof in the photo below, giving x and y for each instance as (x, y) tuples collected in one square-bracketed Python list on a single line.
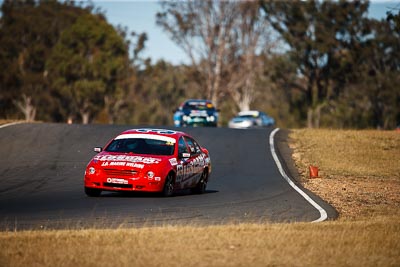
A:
[(152, 132), (198, 100), (254, 113), (195, 102)]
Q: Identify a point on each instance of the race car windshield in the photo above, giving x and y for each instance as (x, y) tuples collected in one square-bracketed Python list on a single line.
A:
[(246, 117), (199, 106), (141, 146)]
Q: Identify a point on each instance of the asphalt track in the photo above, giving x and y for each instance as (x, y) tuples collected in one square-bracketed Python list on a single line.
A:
[(42, 167)]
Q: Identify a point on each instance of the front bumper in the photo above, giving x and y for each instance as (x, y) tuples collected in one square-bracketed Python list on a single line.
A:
[(200, 121), (240, 125), (143, 187), (102, 181)]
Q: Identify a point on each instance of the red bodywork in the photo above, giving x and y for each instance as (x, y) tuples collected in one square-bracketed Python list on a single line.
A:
[(187, 164)]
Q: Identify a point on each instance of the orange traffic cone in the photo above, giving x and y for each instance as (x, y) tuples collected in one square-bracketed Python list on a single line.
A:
[(313, 171)]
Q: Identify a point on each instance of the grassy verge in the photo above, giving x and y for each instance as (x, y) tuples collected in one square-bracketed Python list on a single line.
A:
[(361, 243), (347, 159), (359, 171), (6, 121), (2, 121)]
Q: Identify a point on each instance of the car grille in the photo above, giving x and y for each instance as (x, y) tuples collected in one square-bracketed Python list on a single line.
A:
[(118, 173), (118, 185)]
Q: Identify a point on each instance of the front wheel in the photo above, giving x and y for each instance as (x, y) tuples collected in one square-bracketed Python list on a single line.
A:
[(92, 192), (168, 186)]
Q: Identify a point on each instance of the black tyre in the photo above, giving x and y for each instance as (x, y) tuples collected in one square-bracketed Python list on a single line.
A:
[(92, 192), (168, 186), (202, 184)]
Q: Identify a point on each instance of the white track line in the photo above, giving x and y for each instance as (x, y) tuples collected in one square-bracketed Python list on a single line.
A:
[(11, 124), (322, 212)]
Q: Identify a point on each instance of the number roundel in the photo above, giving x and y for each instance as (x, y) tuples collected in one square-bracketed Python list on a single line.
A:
[(158, 131)]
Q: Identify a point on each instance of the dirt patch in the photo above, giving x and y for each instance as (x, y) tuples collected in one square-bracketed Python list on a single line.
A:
[(357, 197), (340, 155)]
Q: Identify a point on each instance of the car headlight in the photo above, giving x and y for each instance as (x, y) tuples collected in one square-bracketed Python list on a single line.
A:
[(185, 118), (150, 174), (92, 170)]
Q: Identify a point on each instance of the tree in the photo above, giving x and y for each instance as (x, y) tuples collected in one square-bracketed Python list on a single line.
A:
[(222, 39), (116, 101), (250, 37), (279, 97), (160, 88), (323, 39), (378, 73), (369, 96), (86, 65), (202, 29), (29, 29)]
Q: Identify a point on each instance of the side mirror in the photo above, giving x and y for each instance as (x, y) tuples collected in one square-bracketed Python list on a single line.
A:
[(98, 149), (204, 150)]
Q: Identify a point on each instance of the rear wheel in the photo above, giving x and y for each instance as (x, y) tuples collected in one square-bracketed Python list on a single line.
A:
[(202, 184), (168, 186), (92, 192)]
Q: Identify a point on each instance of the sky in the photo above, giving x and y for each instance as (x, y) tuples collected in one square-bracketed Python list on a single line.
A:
[(140, 16)]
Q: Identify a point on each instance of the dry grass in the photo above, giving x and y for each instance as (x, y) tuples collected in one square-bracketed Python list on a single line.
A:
[(362, 243), (359, 170), (359, 175), (2, 121), (6, 121)]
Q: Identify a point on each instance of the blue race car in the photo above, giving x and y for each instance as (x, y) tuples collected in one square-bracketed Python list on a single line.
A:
[(196, 112)]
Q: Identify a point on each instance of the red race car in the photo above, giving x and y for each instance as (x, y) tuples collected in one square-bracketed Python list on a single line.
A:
[(150, 160)]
